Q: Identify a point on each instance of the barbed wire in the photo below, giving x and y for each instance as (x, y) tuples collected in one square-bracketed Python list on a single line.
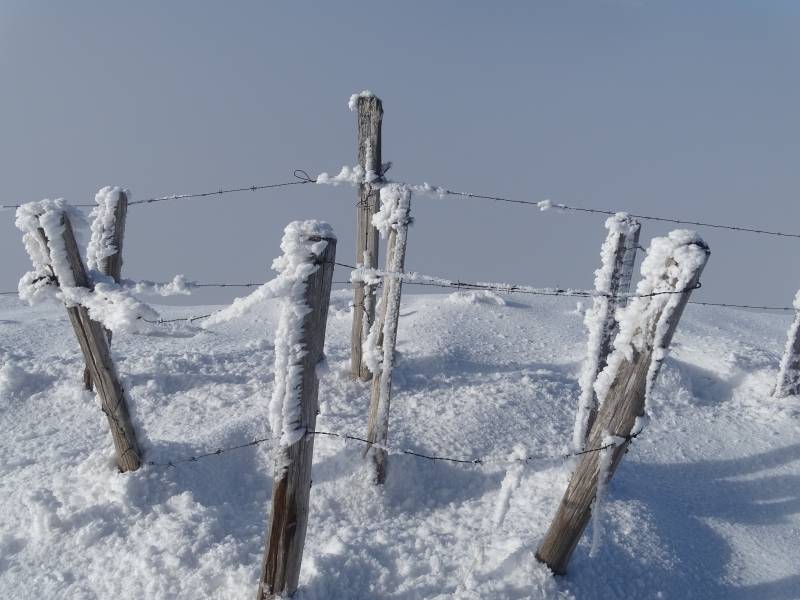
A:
[(301, 178), (391, 450)]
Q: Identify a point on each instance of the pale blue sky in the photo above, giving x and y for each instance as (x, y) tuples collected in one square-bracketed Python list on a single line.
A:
[(685, 109)]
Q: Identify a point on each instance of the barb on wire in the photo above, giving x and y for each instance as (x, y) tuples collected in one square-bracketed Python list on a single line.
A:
[(217, 452)]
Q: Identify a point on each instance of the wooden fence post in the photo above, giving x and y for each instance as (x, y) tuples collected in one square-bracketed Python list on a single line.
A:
[(395, 211), (291, 481), (370, 116), (789, 373), (674, 264), (94, 345), (108, 231), (613, 278)]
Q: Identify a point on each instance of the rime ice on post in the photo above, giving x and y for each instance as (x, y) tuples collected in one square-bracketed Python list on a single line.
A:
[(646, 325), (50, 242), (392, 220), (104, 252), (306, 271), (611, 280), (789, 372)]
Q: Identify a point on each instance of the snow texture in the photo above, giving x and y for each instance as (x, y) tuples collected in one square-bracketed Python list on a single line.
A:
[(352, 104), (600, 319), (671, 264), (704, 504), (510, 484), (101, 242), (303, 243), (788, 373)]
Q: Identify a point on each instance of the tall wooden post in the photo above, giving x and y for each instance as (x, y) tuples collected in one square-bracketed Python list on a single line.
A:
[(94, 345), (632, 373), (612, 279), (370, 116), (291, 481), (789, 372), (110, 265), (378, 426)]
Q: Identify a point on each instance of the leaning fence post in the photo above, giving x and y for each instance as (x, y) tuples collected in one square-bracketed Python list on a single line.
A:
[(670, 272), (370, 116), (789, 373), (394, 219), (104, 253), (310, 251), (56, 247), (612, 279)]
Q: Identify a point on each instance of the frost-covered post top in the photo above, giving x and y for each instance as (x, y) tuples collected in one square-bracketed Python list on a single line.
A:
[(48, 254), (303, 242), (395, 207), (102, 243), (352, 104)]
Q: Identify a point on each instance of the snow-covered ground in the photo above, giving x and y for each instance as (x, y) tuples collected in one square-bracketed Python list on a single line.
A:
[(705, 505)]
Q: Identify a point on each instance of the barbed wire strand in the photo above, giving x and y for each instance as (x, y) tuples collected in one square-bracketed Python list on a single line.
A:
[(301, 178), (432, 457)]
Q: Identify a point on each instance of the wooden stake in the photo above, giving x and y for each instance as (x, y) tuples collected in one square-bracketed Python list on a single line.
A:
[(112, 265), (624, 402), (291, 481), (789, 373), (612, 279), (370, 116), (378, 426), (94, 345)]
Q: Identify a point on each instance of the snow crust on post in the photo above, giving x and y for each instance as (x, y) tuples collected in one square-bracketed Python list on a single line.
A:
[(302, 246), (52, 277), (393, 215), (670, 264), (101, 243), (600, 319), (788, 375)]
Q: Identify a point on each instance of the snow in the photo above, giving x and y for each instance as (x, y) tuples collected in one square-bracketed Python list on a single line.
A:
[(609, 444), (702, 506), (349, 175), (352, 104), (103, 226)]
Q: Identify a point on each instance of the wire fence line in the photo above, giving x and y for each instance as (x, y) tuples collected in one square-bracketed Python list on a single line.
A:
[(302, 178), (495, 459)]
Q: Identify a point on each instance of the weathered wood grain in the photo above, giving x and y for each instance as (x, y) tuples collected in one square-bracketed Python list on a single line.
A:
[(370, 116)]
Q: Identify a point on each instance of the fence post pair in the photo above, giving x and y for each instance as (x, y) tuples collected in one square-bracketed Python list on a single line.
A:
[(50, 238), (670, 273)]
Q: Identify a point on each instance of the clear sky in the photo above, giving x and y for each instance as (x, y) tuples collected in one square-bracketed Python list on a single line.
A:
[(686, 109)]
